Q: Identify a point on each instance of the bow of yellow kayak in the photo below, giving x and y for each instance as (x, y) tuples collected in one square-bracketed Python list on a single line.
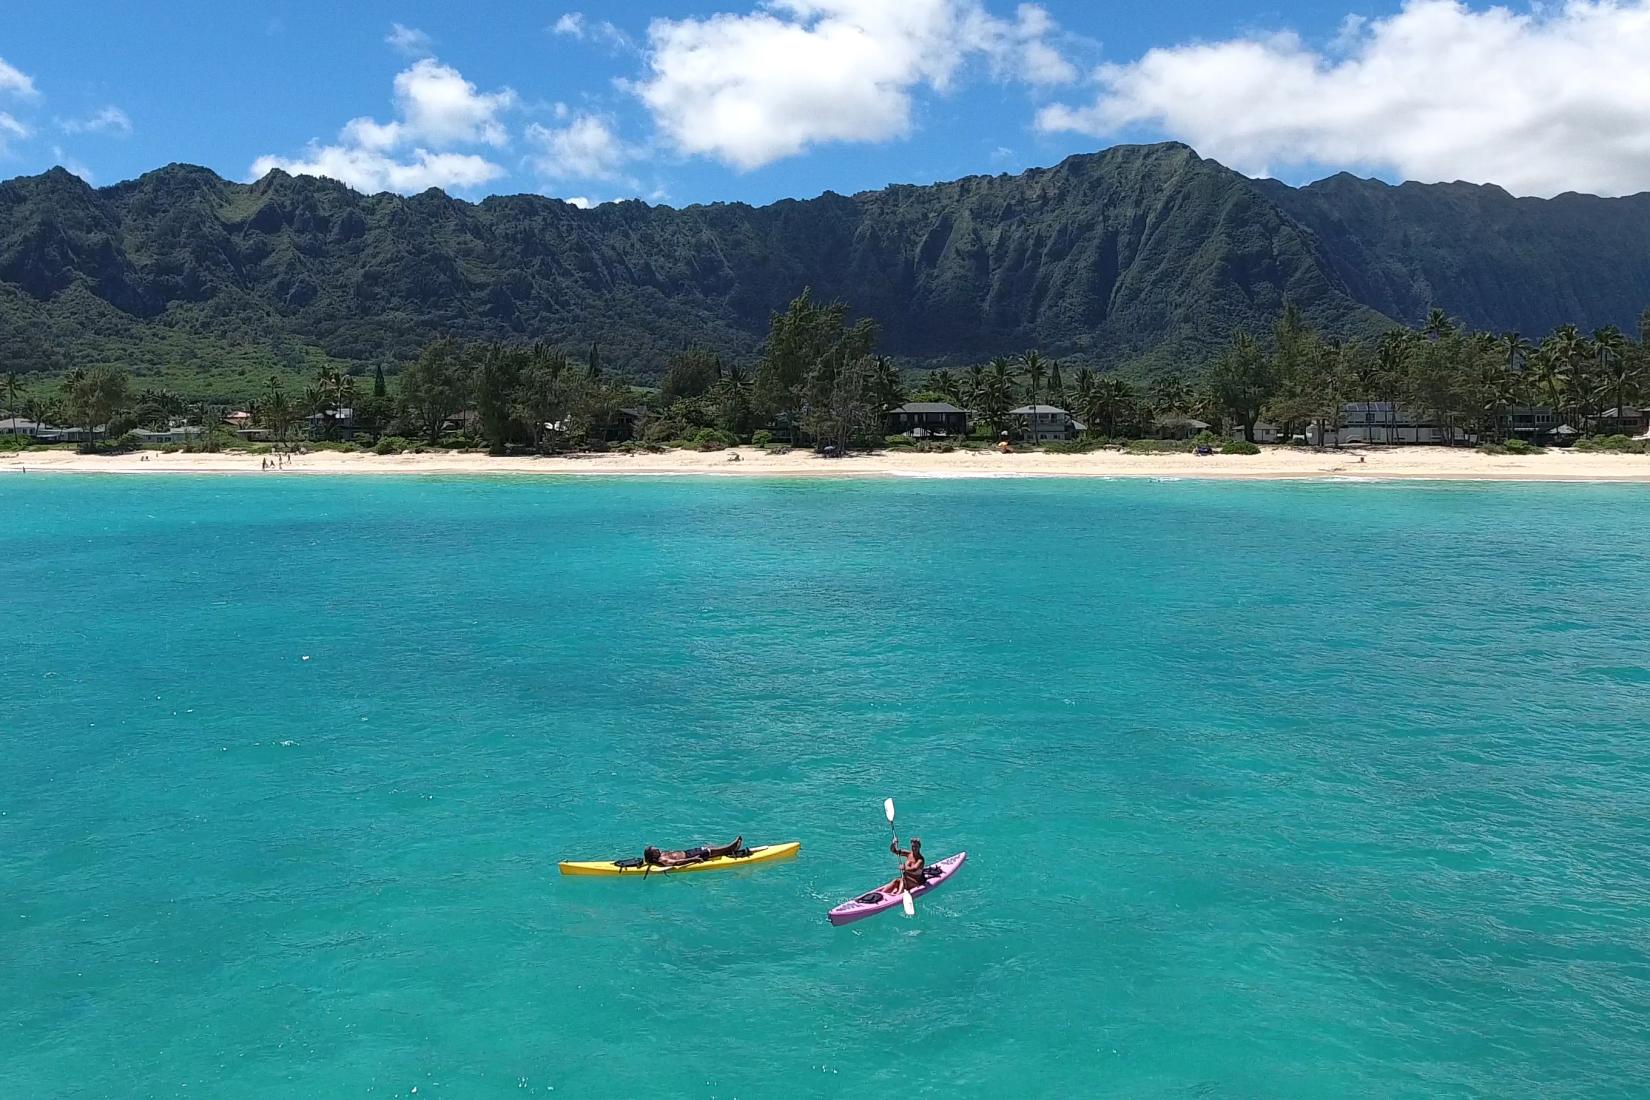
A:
[(766, 853)]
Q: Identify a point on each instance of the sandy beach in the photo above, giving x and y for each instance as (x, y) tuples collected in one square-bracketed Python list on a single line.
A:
[(1414, 463)]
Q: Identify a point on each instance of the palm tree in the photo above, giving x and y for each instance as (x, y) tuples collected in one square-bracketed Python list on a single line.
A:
[(886, 386), (1034, 373), (275, 411), (1550, 379), (11, 393), (944, 383), (1392, 358), (1170, 395), (1615, 370), (1085, 396), (1438, 325), (975, 384), (1112, 397), (996, 396), (1515, 350)]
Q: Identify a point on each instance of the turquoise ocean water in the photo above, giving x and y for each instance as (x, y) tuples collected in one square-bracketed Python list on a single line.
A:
[(1269, 790)]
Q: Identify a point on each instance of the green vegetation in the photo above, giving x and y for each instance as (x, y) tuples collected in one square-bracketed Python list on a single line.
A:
[(1614, 445), (1147, 257), (1239, 447)]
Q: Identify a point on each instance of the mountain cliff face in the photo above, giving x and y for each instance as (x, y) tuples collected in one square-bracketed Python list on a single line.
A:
[(1135, 253)]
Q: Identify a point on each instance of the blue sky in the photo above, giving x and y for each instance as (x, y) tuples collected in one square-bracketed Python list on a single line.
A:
[(755, 100)]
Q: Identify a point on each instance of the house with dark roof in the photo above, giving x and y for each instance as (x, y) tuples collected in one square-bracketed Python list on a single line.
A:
[(926, 420)]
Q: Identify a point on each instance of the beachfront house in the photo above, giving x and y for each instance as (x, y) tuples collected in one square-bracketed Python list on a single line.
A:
[(1384, 422), (1264, 432), (17, 425), (627, 425), (1623, 421), (177, 434), (331, 424), (68, 435), (926, 420), (1045, 424), (1532, 423), (1180, 427)]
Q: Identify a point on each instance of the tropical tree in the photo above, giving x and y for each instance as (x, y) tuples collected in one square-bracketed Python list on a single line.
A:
[(1515, 350), (1170, 394), (799, 340), (887, 390), (1108, 404), (944, 383), (1035, 371), (497, 377), (995, 397), (974, 384), (435, 386), (275, 411), (1616, 370), (1083, 396), (842, 401), (1438, 325), (96, 395), (691, 372), (1056, 386), (1242, 381), (544, 392)]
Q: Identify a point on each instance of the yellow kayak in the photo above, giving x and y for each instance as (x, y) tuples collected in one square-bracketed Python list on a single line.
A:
[(766, 853)]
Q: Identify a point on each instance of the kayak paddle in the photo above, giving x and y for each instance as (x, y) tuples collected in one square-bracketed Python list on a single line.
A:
[(909, 905)]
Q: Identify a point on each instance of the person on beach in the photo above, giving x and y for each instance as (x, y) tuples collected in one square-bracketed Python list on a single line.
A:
[(911, 871), (653, 857)]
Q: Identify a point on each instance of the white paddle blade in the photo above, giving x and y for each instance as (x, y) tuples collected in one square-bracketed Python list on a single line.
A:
[(888, 808), (909, 905)]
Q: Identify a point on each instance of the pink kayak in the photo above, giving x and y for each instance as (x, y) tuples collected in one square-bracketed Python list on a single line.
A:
[(869, 905)]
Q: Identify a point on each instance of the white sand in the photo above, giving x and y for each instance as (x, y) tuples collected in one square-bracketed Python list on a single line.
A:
[(1430, 463)]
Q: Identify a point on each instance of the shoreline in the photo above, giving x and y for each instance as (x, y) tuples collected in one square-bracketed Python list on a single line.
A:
[(1273, 464)]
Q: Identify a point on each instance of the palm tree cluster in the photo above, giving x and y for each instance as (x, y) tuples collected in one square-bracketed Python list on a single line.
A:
[(1461, 380), (1109, 404)]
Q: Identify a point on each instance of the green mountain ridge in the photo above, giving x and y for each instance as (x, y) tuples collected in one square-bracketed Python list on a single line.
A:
[(1135, 254)]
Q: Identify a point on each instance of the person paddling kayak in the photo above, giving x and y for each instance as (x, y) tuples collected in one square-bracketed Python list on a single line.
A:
[(653, 857), (911, 871)]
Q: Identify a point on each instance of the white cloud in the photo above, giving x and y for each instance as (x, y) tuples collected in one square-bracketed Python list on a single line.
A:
[(587, 148), (11, 130), (438, 110), (752, 89), (439, 106), (575, 25), (73, 166), (1554, 99), (579, 201), (105, 120), (371, 172), (409, 40), (15, 82)]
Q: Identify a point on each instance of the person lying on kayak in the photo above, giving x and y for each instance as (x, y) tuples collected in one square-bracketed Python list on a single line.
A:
[(910, 875), (653, 857)]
